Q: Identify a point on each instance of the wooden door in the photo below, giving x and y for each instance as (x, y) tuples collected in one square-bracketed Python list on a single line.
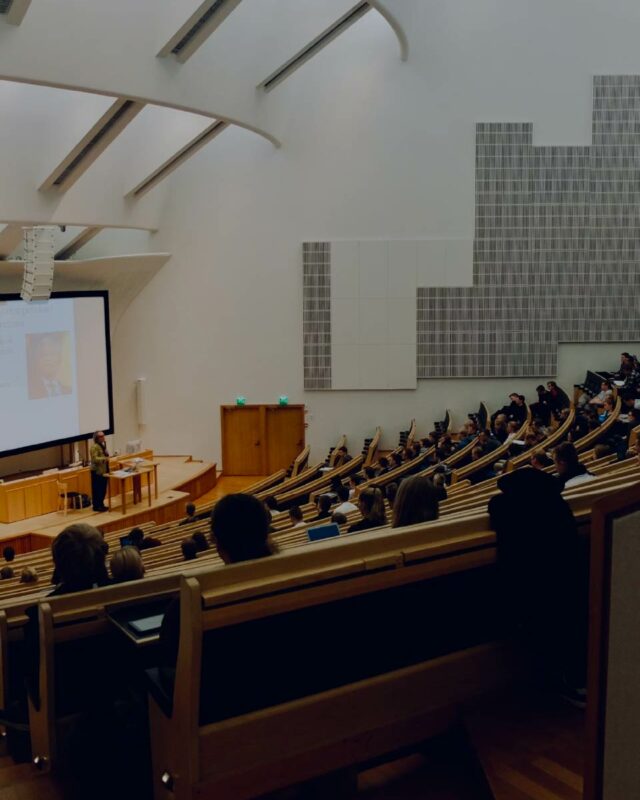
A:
[(284, 435), (242, 445)]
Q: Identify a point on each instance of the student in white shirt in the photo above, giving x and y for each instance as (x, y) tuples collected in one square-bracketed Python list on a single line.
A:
[(345, 507), (295, 515)]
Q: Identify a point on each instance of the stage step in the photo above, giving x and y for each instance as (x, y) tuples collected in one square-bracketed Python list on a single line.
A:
[(531, 747)]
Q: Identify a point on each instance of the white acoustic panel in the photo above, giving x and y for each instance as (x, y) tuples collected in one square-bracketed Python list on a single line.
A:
[(430, 267), (373, 314)]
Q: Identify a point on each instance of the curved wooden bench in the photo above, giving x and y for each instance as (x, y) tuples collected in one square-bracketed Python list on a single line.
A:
[(323, 482), (551, 440)]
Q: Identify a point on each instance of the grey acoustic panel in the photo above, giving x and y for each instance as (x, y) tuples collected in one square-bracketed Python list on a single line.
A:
[(316, 320), (556, 251)]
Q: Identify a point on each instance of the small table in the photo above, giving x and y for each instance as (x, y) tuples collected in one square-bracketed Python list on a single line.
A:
[(120, 476)]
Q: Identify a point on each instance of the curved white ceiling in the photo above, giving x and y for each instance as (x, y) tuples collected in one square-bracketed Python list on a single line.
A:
[(67, 62)]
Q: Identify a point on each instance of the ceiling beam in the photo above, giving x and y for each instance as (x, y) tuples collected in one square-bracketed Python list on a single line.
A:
[(197, 29), (75, 244), (11, 237), (172, 163), (92, 145), (16, 12)]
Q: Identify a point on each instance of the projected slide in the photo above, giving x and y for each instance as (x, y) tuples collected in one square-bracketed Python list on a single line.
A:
[(54, 370)]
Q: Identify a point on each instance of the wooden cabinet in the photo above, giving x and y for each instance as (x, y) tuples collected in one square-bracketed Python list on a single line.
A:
[(260, 439)]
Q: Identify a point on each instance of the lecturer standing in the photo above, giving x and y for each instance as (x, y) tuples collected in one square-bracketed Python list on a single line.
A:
[(99, 470)]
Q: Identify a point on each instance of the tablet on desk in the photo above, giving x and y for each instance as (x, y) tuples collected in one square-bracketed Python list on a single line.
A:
[(147, 624)]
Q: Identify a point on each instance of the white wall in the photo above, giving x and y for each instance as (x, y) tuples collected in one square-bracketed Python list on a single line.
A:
[(374, 149)]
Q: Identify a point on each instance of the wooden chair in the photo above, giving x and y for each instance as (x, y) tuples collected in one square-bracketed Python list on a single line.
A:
[(64, 496)]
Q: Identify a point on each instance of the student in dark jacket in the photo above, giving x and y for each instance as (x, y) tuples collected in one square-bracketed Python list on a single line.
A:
[(543, 572), (557, 398)]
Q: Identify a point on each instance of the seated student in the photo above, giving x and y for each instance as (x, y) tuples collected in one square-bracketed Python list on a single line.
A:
[(500, 428), (557, 399), (6, 572), (391, 492), (606, 410), (369, 473), (8, 553), (324, 503), (371, 505), (201, 541), (543, 575), (397, 460), (191, 517), (541, 407), (539, 460), (272, 506), (512, 430), (417, 501), (383, 465), (487, 442), (570, 471), (484, 473), (296, 517), (142, 542), (126, 565), (240, 529), (78, 559), (626, 367), (29, 575), (189, 549), (339, 518), (605, 391), (344, 506), (468, 433), (516, 410), (354, 482), (440, 485), (343, 457)]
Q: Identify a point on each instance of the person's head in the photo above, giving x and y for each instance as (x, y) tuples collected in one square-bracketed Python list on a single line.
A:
[(634, 416), (190, 508), (126, 565), (417, 501), (343, 451), (397, 459), (240, 528), (601, 450), (609, 403), (552, 386), (605, 386), (271, 503), (79, 558), (136, 536), (370, 473), (189, 549), (324, 503), (391, 491), (355, 480), (513, 426), (483, 438), (625, 358), (565, 457), (99, 438), (6, 572), (343, 493), (295, 514), (540, 390), (476, 453), (339, 518), (531, 439), (49, 356), (515, 398), (539, 460), (371, 505), (383, 461), (439, 481), (501, 419), (29, 575), (8, 553), (201, 541)]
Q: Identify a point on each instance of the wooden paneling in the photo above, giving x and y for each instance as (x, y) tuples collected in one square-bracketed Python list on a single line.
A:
[(260, 439), (285, 436)]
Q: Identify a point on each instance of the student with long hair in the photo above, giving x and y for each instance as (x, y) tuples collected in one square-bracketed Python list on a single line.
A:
[(416, 501), (371, 505)]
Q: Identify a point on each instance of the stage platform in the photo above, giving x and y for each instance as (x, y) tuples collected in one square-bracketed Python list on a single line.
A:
[(180, 479)]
